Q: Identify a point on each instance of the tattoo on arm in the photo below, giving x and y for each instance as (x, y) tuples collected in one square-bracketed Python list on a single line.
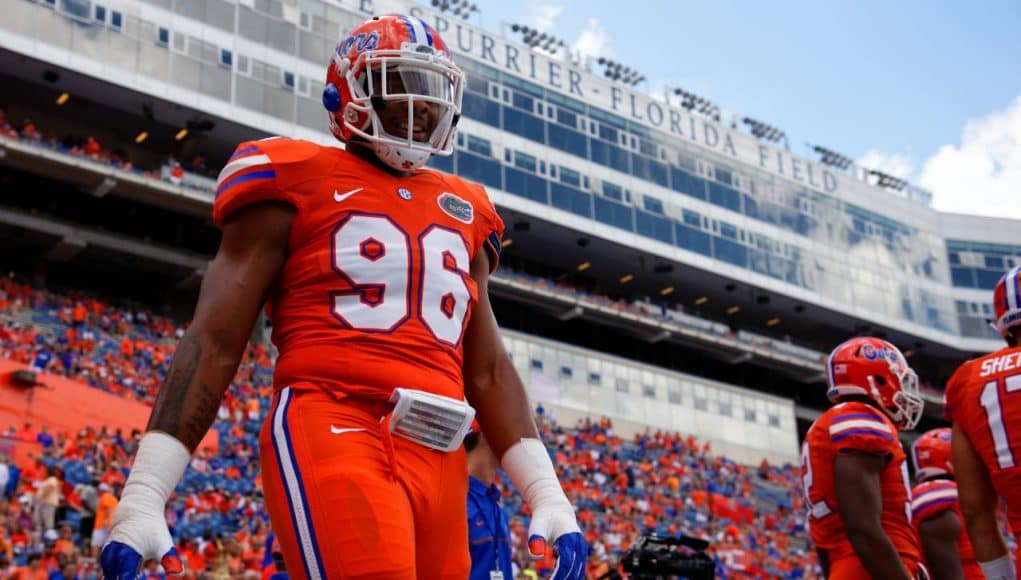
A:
[(185, 407)]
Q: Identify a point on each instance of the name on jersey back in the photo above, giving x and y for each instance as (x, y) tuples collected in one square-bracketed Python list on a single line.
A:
[(999, 364)]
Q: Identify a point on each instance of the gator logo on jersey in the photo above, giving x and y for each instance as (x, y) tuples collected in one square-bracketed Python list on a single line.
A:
[(455, 207)]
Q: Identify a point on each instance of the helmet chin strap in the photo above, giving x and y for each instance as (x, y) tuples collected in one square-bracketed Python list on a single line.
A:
[(400, 158)]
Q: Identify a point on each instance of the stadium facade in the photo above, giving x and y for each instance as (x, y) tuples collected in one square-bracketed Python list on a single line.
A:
[(725, 245)]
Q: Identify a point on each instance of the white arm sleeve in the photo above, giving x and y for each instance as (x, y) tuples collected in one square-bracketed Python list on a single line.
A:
[(530, 469), (140, 520)]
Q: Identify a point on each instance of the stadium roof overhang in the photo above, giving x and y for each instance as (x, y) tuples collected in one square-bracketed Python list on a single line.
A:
[(732, 301), (32, 86)]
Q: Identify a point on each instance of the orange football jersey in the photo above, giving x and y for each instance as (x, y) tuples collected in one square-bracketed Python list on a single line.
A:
[(982, 398), (847, 428), (930, 499), (375, 292)]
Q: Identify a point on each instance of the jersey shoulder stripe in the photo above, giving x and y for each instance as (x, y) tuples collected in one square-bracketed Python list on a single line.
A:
[(853, 426), (932, 502), (872, 432), (247, 164), (267, 170), (933, 497)]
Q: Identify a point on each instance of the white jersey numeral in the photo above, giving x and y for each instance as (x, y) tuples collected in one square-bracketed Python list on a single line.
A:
[(818, 509), (989, 398), (374, 255)]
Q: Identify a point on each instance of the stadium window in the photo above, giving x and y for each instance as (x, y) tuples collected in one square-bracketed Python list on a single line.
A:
[(525, 161), (226, 57), (288, 79), (243, 65), (749, 415), (674, 396), (116, 20), (566, 372), (78, 9), (536, 364), (51, 2), (613, 191), (480, 146), (621, 386), (774, 421), (99, 12), (570, 177), (725, 409), (652, 204), (163, 36), (648, 391), (594, 379), (701, 404), (180, 43)]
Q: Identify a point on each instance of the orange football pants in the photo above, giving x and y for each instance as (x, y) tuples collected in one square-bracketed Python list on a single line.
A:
[(348, 500), (852, 569)]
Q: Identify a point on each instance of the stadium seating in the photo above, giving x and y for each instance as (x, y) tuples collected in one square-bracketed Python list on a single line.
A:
[(655, 483)]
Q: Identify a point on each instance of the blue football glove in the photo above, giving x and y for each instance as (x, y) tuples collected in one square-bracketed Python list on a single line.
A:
[(571, 553), (122, 562)]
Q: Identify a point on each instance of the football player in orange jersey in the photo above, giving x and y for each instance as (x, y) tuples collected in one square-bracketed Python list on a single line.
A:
[(375, 270), (853, 469), (983, 403), (935, 512)]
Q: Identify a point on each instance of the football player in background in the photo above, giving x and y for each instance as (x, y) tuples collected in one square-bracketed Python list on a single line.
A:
[(935, 513), (984, 405), (853, 469), (375, 270)]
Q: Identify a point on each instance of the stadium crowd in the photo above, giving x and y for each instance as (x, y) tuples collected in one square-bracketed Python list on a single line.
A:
[(54, 510)]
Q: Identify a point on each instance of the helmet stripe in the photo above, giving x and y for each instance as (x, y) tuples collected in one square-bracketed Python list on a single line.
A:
[(428, 35), (416, 31), (411, 28), (1013, 289)]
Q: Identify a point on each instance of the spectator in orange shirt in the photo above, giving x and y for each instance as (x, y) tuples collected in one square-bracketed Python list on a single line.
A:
[(65, 542), (26, 433), (79, 314), (127, 348), (104, 517), (30, 131), (92, 147), (193, 559), (33, 571)]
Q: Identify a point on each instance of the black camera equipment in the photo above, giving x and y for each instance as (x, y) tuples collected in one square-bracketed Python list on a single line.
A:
[(654, 558)]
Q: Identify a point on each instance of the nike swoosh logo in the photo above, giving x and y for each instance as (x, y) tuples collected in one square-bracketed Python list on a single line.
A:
[(339, 197), (339, 430)]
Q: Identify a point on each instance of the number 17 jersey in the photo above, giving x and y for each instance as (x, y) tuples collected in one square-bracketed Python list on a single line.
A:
[(984, 399), (375, 292)]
